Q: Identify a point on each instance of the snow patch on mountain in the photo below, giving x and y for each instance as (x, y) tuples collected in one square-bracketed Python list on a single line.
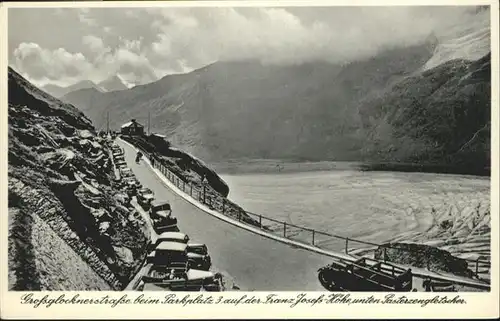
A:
[(469, 40)]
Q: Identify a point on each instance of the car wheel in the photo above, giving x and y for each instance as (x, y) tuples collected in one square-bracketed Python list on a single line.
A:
[(326, 282)]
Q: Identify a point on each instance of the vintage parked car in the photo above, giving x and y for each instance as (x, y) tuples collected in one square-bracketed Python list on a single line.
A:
[(173, 237), (160, 208), (438, 286), (131, 186), (147, 287), (117, 153), (144, 197), (199, 261), (167, 252), (363, 276), (181, 279), (131, 180), (168, 224), (197, 248), (120, 164), (126, 172), (169, 236), (164, 221), (161, 214)]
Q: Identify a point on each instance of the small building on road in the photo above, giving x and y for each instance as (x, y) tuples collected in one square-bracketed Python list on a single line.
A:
[(132, 128)]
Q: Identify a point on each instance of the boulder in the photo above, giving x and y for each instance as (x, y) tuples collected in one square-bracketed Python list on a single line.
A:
[(124, 254), (103, 227), (85, 134)]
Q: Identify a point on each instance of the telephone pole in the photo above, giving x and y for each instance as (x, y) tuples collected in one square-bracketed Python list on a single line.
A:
[(149, 122), (107, 122)]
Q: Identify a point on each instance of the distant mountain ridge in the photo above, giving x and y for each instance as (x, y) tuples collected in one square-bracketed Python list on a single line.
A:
[(113, 83), (58, 91), (422, 103)]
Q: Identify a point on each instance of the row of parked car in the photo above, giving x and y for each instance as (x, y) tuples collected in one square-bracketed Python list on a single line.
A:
[(176, 263), (179, 265), (126, 178)]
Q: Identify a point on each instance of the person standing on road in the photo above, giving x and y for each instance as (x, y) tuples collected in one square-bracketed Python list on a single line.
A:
[(138, 157)]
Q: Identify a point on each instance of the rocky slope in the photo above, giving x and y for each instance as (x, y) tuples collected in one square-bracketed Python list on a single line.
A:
[(180, 162), (68, 228), (439, 116)]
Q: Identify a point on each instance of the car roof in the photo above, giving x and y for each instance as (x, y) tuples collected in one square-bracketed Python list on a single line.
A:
[(159, 203), (154, 287), (171, 246), (194, 274), (172, 235), (196, 245)]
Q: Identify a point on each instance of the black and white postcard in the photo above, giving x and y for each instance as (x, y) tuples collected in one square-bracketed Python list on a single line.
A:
[(250, 159)]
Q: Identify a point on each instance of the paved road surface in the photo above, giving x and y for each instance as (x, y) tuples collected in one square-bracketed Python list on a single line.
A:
[(255, 262)]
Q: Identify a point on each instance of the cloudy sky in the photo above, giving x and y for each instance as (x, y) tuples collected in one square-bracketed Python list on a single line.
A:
[(63, 46)]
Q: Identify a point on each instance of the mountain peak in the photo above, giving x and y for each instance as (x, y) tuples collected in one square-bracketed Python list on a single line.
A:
[(59, 91), (113, 83)]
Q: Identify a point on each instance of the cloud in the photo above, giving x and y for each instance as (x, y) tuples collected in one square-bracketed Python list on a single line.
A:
[(84, 17), (41, 63), (95, 43), (148, 43), (281, 35)]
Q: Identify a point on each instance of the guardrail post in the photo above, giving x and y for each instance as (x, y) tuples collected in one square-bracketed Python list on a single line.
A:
[(260, 221), (223, 205), (183, 186), (239, 215), (313, 237), (346, 244), (385, 254), (477, 266), (284, 229), (191, 189)]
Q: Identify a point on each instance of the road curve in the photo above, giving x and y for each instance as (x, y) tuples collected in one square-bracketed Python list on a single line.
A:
[(255, 262)]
